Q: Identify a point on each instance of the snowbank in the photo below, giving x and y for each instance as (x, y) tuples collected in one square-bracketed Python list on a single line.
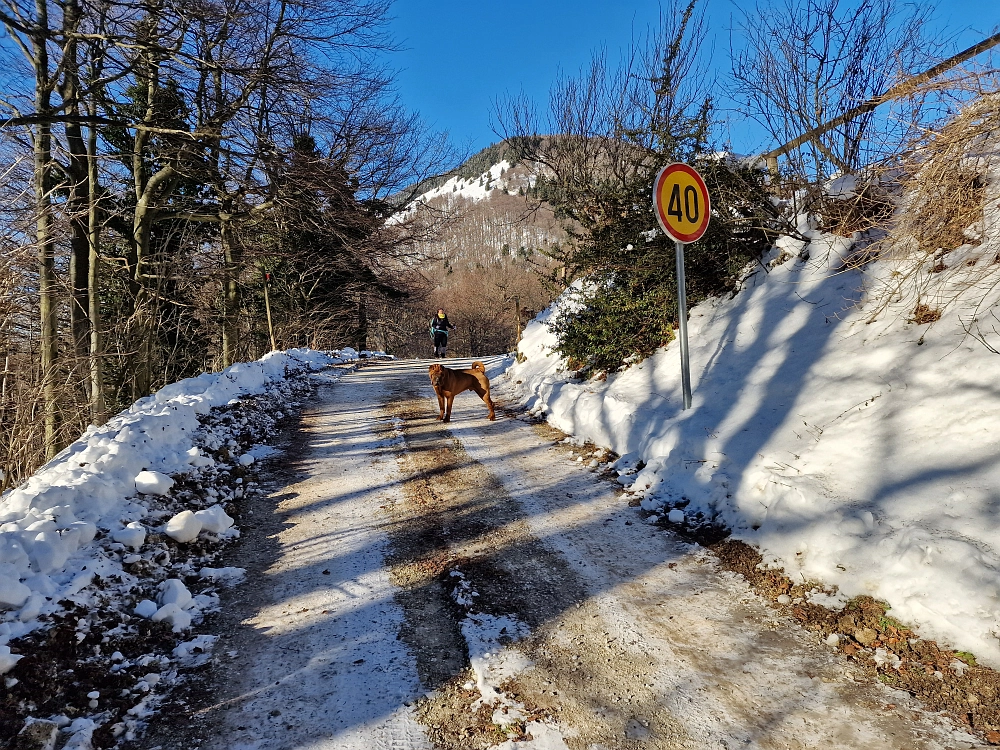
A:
[(101, 482), (866, 456)]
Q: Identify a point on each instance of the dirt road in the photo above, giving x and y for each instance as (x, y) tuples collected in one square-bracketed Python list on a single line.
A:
[(474, 585)]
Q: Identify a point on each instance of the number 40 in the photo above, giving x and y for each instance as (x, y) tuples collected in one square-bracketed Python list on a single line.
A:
[(692, 209)]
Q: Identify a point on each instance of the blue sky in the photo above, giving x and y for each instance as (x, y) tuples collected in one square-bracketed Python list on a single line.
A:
[(458, 57)]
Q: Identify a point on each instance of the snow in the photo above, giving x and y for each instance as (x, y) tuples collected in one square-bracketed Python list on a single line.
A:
[(49, 523), (861, 455), (7, 659), (153, 483), (543, 737), (13, 593), (195, 652), (842, 186), (214, 519), (498, 177), (173, 591), (133, 535), (183, 527), (173, 615)]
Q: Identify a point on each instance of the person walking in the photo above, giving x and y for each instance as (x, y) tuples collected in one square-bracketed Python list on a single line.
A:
[(440, 327)]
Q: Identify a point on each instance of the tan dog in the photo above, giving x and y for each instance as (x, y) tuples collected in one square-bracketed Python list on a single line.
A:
[(449, 383)]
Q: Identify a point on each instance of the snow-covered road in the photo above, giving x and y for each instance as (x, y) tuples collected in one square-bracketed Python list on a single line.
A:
[(395, 552)]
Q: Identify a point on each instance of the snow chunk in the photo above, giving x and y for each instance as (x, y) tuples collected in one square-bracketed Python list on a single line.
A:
[(146, 608), (246, 459), (214, 519), (13, 593), (842, 187), (174, 616), (173, 591), (153, 483), (184, 527), (7, 659), (132, 535), (32, 608), (676, 516), (81, 735), (49, 552)]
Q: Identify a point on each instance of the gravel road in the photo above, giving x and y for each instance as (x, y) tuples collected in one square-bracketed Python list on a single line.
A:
[(472, 585)]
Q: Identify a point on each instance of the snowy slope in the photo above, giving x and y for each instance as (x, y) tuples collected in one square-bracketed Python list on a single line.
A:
[(864, 456), (100, 485), (501, 177)]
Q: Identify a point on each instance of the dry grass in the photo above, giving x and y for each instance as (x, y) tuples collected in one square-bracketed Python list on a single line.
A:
[(923, 314), (945, 182)]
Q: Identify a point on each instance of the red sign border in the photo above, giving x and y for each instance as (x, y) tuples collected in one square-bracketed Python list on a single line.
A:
[(691, 171)]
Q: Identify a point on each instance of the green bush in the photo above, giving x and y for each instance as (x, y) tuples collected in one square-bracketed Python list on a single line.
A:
[(630, 308)]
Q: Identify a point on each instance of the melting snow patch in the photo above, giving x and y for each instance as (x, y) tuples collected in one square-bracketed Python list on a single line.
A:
[(543, 737), (195, 652)]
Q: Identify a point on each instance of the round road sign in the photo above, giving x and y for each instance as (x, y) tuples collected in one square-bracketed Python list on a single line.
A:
[(680, 198)]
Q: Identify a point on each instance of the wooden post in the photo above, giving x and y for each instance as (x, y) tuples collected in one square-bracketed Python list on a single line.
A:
[(267, 306)]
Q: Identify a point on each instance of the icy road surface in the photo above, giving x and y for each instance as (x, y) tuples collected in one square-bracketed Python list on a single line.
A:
[(418, 585)]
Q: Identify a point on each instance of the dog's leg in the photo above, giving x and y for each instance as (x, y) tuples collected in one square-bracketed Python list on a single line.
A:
[(440, 406), (484, 394), (450, 399)]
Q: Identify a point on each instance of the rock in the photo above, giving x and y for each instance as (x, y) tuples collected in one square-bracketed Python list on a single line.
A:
[(37, 735), (214, 519), (133, 535), (865, 636), (173, 591), (153, 483), (846, 624), (784, 599), (184, 527)]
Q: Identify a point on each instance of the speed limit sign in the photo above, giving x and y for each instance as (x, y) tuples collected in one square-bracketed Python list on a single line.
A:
[(682, 203), (682, 206)]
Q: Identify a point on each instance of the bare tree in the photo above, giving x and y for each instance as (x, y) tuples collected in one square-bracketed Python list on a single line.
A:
[(803, 62)]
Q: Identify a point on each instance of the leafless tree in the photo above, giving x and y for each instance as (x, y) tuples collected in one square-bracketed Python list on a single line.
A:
[(801, 63)]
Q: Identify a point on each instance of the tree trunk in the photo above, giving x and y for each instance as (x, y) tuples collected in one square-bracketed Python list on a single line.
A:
[(362, 337), (233, 257), (78, 203), (143, 315), (48, 341), (98, 406)]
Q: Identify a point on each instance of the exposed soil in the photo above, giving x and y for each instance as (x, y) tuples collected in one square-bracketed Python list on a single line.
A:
[(942, 679)]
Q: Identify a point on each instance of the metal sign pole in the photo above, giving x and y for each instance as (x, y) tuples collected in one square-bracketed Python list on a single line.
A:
[(682, 319)]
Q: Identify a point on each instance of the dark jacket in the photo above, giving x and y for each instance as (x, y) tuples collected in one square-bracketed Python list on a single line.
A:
[(441, 324)]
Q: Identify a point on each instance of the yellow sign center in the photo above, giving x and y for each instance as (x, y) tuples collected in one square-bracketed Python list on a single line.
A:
[(682, 203)]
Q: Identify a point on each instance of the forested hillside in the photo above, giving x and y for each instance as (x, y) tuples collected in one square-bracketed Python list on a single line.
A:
[(185, 187), (495, 259)]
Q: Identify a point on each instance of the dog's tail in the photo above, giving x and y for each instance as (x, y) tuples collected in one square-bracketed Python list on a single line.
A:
[(479, 366)]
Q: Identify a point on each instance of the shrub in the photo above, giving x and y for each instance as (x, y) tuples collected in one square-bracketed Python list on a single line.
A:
[(631, 308)]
